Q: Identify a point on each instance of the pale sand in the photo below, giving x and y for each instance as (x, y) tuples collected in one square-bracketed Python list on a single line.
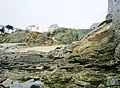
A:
[(26, 49)]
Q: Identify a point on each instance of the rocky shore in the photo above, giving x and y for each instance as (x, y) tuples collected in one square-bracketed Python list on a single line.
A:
[(92, 62)]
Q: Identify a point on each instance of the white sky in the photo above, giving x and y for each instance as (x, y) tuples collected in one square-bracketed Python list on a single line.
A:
[(67, 13)]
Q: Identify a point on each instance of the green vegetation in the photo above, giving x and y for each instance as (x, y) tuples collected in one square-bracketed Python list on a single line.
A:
[(58, 36), (68, 35)]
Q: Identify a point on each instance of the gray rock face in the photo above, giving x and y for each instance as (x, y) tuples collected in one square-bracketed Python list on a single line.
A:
[(114, 8), (110, 6)]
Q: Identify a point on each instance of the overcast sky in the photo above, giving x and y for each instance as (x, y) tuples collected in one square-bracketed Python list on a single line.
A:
[(67, 13)]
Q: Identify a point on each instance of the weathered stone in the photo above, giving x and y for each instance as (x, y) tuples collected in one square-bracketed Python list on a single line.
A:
[(7, 82), (67, 67), (112, 81), (73, 86), (53, 68), (101, 86), (22, 85), (83, 84), (28, 84), (109, 18), (37, 84), (2, 80), (40, 68), (96, 80)]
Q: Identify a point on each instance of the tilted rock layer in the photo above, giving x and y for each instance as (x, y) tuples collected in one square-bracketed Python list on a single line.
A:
[(90, 63)]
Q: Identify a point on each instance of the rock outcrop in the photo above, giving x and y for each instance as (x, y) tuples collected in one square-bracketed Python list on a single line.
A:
[(92, 62), (31, 38)]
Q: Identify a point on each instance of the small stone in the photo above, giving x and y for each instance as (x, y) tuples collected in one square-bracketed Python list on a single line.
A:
[(82, 84), (101, 86), (7, 82), (40, 68), (53, 68)]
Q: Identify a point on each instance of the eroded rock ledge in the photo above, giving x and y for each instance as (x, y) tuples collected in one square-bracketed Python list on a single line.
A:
[(92, 62)]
